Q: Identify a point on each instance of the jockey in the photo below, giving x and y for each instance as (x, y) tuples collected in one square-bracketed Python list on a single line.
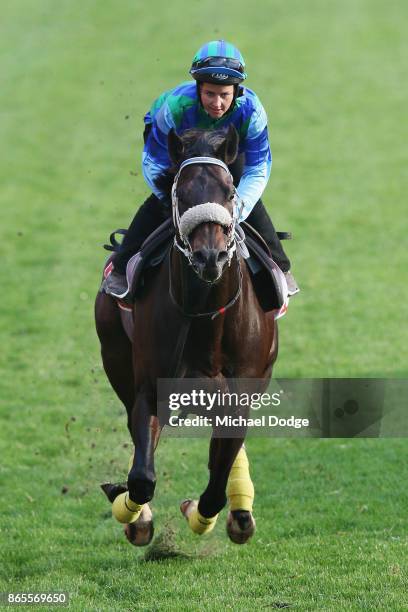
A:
[(214, 100)]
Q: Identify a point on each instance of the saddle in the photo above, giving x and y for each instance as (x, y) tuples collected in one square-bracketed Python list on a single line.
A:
[(268, 280)]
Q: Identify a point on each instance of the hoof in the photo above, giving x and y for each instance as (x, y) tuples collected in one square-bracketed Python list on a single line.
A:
[(198, 523), (140, 533), (187, 506), (240, 526)]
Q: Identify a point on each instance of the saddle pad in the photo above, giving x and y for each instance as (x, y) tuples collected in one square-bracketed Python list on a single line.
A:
[(268, 279)]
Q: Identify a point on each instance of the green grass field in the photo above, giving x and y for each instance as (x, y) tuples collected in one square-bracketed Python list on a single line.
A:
[(76, 79)]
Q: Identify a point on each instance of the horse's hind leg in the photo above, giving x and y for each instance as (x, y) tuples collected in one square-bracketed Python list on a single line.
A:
[(116, 350), (240, 493)]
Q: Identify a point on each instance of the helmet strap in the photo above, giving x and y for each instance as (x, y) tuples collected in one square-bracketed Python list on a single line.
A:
[(238, 91), (199, 93)]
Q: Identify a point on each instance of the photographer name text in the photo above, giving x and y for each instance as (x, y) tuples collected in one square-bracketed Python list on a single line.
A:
[(238, 421)]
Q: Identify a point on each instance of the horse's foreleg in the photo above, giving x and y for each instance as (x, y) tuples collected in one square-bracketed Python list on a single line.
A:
[(202, 517), (145, 431), (223, 452)]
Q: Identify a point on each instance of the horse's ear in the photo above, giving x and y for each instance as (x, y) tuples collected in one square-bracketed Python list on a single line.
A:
[(175, 146), (228, 150)]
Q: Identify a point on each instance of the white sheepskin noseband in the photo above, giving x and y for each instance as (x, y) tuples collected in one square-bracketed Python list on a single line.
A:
[(203, 213)]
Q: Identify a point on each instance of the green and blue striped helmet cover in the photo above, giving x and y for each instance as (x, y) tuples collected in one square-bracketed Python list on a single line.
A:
[(218, 62)]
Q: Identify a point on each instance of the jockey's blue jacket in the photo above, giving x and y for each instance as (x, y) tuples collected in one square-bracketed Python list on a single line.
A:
[(181, 109)]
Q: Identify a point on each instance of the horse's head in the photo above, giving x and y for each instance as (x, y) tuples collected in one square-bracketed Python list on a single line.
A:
[(204, 198)]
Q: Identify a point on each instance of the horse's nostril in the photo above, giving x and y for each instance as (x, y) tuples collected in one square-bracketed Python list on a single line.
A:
[(200, 258), (210, 258), (222, 257)]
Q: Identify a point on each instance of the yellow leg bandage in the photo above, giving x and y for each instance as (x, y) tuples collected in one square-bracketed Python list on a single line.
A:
[(240, 490), (125, 510), (198, 523)]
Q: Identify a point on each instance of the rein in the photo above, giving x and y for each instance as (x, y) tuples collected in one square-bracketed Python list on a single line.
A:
[(214, 313)]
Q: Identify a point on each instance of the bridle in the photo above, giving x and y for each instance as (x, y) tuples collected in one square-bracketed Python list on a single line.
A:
[(210, 211)]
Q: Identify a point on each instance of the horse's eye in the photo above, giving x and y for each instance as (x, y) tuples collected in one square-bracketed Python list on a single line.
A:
[(231, 197)]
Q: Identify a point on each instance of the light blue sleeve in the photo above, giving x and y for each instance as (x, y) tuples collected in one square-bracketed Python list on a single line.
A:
[(151, 170), (155, 157), (258, 163), (251, 186)]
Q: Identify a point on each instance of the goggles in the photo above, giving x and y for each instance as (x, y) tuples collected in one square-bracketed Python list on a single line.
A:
[(219, 62)]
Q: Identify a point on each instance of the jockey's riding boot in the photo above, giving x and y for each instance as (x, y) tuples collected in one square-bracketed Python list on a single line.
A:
[(116, 284), (260, 220), (149, 216), (291, 283)]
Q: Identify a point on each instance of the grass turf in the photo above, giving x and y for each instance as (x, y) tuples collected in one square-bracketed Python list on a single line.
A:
[(77, 79)]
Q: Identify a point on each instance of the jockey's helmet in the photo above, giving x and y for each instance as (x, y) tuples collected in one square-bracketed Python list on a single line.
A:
[(218, 62)]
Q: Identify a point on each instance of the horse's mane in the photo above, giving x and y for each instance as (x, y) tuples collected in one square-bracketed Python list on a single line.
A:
[(196, 142)]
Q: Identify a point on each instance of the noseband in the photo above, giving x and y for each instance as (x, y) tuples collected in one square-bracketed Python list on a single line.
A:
[(202, 213)]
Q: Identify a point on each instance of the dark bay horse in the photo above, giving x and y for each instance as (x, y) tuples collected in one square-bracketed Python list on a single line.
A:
[(198, 317)]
